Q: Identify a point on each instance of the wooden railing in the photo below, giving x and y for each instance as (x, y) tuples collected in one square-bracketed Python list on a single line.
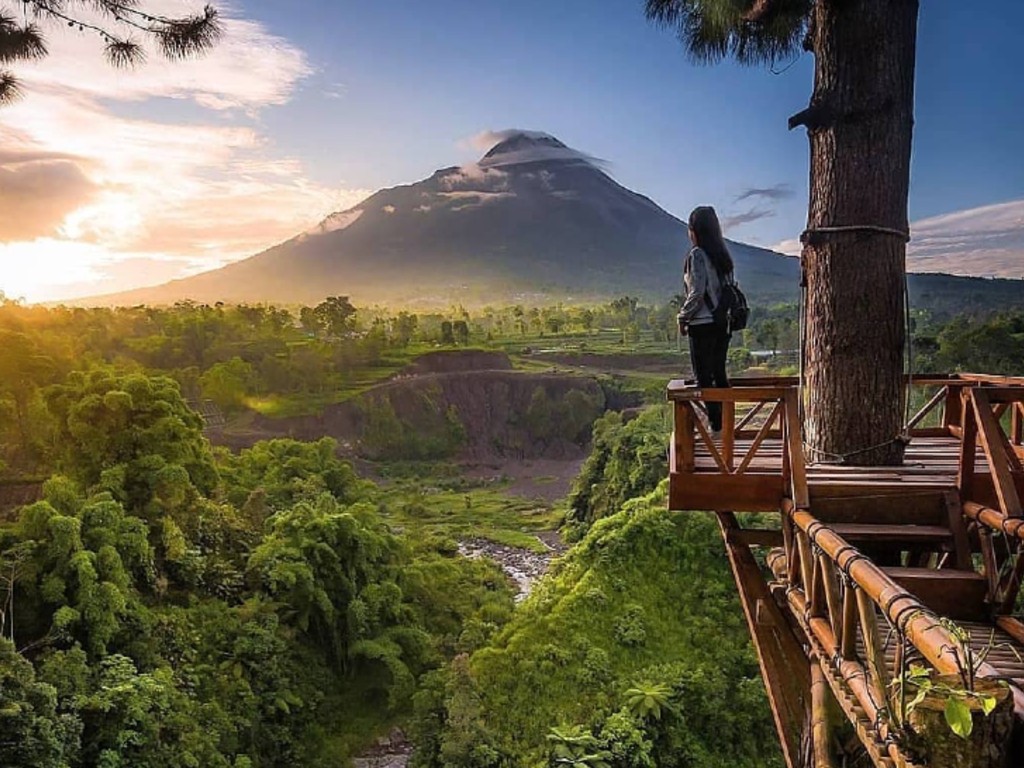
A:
[(741, 467), (995, 512), (863, 624), (861, 627)]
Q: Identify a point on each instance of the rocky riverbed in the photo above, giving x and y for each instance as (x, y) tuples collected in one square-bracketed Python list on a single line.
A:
[(522, 566), (391, 751)]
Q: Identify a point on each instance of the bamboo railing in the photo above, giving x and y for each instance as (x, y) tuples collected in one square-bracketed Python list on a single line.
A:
[(860, 626)]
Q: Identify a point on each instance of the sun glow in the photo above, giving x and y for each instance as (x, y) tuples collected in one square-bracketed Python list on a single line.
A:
[(45, 268), (114, 218), (98, 195)]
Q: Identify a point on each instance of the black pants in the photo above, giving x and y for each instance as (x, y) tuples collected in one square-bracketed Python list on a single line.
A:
[(709, 345)]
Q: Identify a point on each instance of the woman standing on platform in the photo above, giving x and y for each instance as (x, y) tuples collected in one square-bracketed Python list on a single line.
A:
[(707, 266)]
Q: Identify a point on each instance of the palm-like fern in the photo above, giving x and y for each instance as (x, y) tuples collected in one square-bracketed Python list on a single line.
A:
[(578, 748), (649, 700)]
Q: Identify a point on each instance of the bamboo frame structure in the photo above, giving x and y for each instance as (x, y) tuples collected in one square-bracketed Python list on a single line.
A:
[(869, 563)]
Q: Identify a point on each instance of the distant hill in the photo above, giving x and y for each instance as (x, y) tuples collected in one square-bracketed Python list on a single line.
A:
[(533, 220)]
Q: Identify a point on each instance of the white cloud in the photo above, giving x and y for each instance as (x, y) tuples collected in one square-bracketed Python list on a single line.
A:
[(788, 247), (157, 197), (474, 177), (983, 242), (336, 221), (524, 147), (249, 67)]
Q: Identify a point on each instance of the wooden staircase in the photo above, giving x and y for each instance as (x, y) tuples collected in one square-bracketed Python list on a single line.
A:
[(870, 569), (919, 540)]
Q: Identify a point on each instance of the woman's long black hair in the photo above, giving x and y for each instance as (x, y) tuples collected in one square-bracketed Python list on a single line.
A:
[(708, 234)]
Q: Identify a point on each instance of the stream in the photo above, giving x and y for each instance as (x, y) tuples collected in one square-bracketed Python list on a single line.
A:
[(524, 567)]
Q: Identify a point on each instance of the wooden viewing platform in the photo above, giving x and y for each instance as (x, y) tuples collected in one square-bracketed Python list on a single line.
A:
[(863, 565)]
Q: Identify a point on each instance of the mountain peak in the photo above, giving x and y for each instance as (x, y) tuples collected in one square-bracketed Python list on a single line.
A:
[(518, 141), (519, 147)]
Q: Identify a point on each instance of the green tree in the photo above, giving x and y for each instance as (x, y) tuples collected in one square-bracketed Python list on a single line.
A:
[(768, 335), (32, 735), (447, 332), (285, 471), (87, 555), (228, 383), (332, 567), (405, 326), (336, 315), (860, 124), (310, 321), (135, 718), (23, 368), (121, 23), (576, 748), (134, 436), (648, 700)]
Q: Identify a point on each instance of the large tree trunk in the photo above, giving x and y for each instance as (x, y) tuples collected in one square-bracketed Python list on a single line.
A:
[(860, 122)]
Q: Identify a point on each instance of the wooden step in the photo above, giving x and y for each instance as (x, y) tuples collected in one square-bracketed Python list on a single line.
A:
[(924, 508), (912, 535), (956, 594)]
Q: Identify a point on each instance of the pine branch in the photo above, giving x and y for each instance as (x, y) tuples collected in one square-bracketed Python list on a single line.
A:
[(752, 32), (177, 37), (180, 38), (19, 43), (9, 89)]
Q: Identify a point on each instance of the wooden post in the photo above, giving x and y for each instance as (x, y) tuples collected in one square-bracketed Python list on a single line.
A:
[(968, 448), (795, 445), (872, 644), (1017, 424), (830, 581), (961, 545), (682, 437), (728, 433), (848, 647), (789, 543), (990, 433), (803, 546), (952, 410), (780, 654)]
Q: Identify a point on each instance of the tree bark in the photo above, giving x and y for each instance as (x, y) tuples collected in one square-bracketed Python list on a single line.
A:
[(859, 122)]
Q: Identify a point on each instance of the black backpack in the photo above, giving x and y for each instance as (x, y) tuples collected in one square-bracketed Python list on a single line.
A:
[(731, 311)]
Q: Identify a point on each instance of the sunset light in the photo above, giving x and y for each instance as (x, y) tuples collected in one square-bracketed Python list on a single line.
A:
[(474, 384)]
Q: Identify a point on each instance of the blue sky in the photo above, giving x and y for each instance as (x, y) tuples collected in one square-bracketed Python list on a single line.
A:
[(598, 75), (321, 101)]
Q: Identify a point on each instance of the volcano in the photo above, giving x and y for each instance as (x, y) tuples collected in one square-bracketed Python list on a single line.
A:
[(532, 218)]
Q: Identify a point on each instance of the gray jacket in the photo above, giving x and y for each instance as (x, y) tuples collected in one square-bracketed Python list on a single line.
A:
[(699, 278)]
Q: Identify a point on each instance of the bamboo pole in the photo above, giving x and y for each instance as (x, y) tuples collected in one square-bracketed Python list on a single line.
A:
[(849, 636), (830, 581), (994, 519), (872, 644), (820, 735), (853, 676), (918, 622)]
